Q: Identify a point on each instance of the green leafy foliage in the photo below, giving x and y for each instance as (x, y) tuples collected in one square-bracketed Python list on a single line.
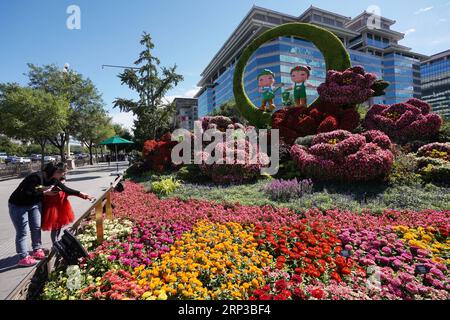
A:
[(404, 170), (151, 84), (31, 114), (71, 86), (165, 186)]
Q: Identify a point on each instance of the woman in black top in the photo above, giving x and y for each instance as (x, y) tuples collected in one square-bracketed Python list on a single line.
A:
[(25, 207)]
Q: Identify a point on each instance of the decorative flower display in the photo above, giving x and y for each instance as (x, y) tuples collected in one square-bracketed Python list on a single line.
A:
[(341, 155), (220, 123), (410, 120), (300, 121), (202, 250), (234, 161), (352, 86), (158, 153)]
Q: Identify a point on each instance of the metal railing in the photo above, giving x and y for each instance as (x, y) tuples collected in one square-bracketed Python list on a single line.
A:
[(18, 170), (13, 170), (32, 284)]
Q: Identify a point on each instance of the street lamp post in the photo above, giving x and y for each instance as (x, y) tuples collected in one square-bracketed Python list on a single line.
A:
[(70, 162)]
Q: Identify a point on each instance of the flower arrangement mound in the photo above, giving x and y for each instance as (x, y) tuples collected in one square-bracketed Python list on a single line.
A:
[(404, 122), (157, 153), (341, 155), (153, 251), (234, 162), (434, 162), (301, 122), (220, 123), (350, 87)]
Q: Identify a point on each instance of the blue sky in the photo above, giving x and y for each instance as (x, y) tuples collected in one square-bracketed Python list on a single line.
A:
[(187, 33)]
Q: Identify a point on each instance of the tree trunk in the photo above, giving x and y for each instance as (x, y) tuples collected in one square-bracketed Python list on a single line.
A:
[(60, 143), (96, 155), (42, 144), (91, 162)]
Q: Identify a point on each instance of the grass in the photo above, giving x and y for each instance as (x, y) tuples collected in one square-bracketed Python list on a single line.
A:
[(354, 197)]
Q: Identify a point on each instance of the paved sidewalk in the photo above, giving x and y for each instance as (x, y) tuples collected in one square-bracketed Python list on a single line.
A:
[(91, 179)]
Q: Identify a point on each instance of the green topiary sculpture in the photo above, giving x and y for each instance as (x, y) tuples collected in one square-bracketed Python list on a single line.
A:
[(334, 52)]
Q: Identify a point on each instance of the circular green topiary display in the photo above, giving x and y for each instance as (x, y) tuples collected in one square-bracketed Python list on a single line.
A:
[(334, 52)]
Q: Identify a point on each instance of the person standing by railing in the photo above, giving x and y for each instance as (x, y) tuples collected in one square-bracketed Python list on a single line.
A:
[(25, 210)]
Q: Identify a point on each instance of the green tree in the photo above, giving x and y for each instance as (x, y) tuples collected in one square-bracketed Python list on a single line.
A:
[(94, 125), (69, 85), (31, 114), (151, 83), (229, 109)]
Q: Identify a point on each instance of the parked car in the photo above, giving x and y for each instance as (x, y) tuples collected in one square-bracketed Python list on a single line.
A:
[(20, 160), (9, 159), (36, 157), (3, 156), (49, 159)]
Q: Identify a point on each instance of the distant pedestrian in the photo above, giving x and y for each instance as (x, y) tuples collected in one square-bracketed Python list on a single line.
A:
[(108, 159)]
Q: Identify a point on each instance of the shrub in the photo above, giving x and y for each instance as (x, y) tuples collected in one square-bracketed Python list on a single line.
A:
[(351, 86), (285, 190), (434, 162), (165, 187), (404, 122), (404, 170), (158, 153), (237, 161), (341, 155)]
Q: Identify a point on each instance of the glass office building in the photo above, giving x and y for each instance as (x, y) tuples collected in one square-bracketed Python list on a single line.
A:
[(377, 50), (436, 82)]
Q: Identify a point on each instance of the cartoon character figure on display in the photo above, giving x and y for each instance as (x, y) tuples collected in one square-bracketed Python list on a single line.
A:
[(300, 76), (266, 84)]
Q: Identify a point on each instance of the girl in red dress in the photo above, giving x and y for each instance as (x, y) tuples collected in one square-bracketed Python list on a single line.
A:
[(57, 211)]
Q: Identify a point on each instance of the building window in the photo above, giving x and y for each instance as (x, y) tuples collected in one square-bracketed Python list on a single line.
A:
[(369, 36), (259, 16), (273, 20), (339, 24), (317, 18), (328, 21)]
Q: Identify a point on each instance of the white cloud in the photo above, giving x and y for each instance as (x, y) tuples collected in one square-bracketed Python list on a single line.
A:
[(440, 40), (422, 10), (409, 31), (190, 93), (126, 119)]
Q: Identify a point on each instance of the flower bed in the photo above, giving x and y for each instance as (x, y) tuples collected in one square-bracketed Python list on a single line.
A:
[(404, 122), (201, 250), (340, 155)]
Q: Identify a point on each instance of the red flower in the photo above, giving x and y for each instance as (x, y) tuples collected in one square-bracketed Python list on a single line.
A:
[(281, 285), (318, 293), (299, 294)]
